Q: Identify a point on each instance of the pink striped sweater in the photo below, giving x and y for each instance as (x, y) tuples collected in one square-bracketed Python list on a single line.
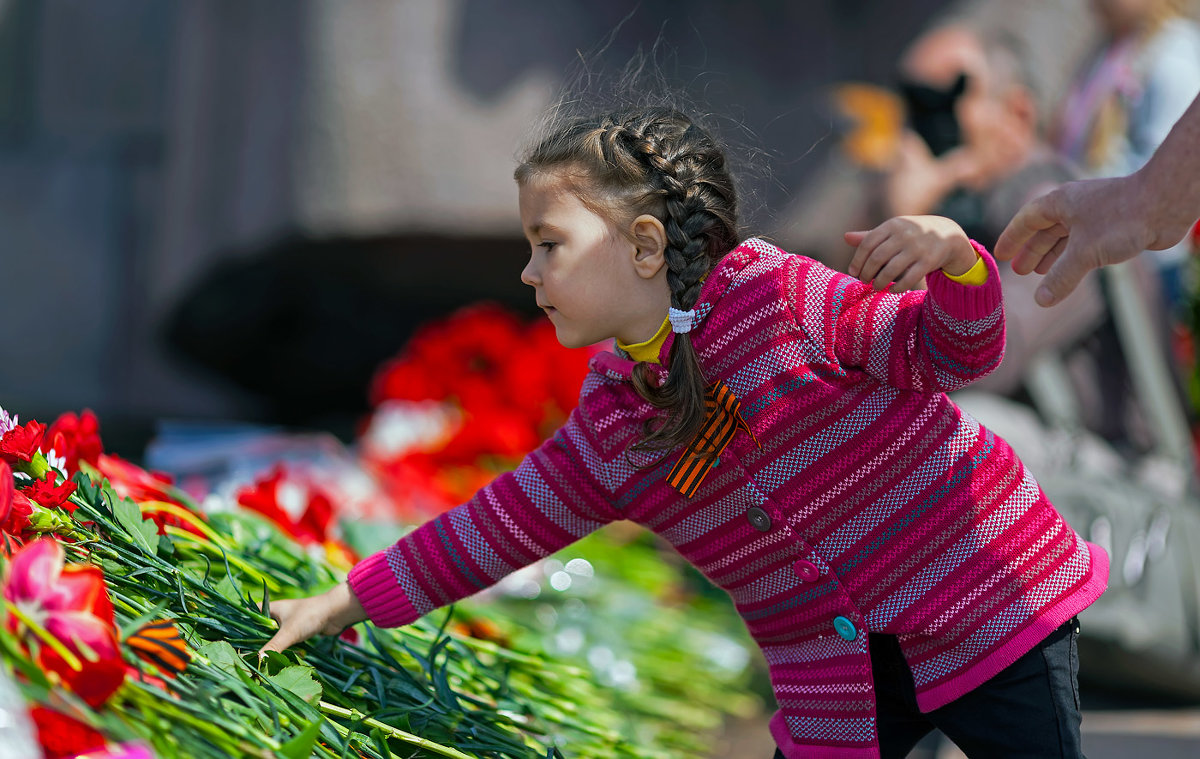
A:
[(874, 503)]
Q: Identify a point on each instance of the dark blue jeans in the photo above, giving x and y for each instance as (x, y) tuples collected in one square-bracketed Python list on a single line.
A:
[(1029, 710)]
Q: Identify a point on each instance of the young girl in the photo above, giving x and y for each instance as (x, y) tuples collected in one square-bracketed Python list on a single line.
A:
[(786, 428)]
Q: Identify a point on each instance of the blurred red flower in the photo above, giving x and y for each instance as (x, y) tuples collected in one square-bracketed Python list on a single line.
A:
[(76, 439), (15, 508), (131, 481), (315, 522), (512, 383), (62, 737)]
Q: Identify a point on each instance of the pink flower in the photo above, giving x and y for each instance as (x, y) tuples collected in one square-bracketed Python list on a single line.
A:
[(70, 602)]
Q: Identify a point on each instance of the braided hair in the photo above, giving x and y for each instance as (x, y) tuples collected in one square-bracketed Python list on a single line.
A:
[(655, 161)]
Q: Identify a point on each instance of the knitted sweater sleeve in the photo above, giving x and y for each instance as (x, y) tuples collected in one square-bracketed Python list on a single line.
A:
[(552, 499), (933, 340)]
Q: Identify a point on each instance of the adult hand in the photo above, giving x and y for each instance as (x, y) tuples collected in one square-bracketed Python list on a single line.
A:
[(326, 614), (1082, 226)]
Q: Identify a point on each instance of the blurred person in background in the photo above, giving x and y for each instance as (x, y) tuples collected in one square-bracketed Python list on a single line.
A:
[(1127, 97), (1086, 224), (975, 153)]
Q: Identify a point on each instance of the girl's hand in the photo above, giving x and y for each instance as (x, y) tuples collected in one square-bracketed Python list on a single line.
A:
[(901, 251), (301, 618)]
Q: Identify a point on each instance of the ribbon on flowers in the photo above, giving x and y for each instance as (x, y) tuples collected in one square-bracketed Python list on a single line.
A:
[(701, 455)]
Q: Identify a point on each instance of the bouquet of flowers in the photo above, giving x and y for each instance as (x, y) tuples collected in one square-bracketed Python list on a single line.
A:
[(133, 618)]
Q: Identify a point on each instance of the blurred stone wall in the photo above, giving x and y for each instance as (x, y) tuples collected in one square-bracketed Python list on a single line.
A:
[(144, 141)]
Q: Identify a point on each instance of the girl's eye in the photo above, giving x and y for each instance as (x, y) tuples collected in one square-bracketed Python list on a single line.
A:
[(549, 246)]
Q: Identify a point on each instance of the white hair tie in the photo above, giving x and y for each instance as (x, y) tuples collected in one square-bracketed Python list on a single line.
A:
[(681, 321)]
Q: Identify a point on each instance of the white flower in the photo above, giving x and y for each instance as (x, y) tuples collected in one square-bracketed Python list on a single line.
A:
[(6, 422)]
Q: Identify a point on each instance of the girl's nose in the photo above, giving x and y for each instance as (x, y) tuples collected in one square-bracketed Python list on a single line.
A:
[(529, 274)]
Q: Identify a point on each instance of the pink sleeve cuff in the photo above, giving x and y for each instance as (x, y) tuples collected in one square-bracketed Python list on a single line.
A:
[(969, 302), (380, 594)]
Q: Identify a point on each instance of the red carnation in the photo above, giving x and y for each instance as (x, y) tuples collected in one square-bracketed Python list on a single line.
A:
[(48, 495), (62, 736), (22, 441), (76, 439)]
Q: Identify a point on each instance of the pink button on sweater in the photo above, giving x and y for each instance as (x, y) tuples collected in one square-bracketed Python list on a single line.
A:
[(919, 522)]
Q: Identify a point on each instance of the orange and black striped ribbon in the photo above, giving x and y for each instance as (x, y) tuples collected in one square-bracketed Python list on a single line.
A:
[(160, 644), (724, 418)]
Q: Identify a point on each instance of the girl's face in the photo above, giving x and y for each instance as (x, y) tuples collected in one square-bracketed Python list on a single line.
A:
[(584, 270)]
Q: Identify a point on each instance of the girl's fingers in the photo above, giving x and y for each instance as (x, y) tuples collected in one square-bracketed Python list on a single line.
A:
[(882, 264), (864, 253), (855, 239), (894, 263), (910, 279)]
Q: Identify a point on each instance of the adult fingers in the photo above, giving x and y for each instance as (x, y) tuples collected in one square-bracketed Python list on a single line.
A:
[(1037, 247), (1064, 276), (1048, 260), (1038, 214)]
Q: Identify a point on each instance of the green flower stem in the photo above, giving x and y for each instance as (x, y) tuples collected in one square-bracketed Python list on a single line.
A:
[(392, 732), (44, 635), (196, 543), (487, 646), (186, 516), (147, 701)]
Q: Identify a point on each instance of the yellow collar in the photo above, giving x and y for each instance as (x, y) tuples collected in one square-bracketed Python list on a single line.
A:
[(649, 350)]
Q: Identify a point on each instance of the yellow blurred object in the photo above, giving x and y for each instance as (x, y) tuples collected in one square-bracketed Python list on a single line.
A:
[(876, 115)]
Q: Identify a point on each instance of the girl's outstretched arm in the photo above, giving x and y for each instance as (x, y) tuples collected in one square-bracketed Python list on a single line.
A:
[(552, 499)]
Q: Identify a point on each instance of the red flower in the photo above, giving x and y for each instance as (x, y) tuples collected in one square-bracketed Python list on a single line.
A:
[(314, 523), (63, 737), (76, 439), (48, 495), (15, 508), (70, 602), (22, 441), (131, 481)]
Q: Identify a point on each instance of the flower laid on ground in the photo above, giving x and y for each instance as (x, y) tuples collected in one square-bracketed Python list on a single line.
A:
[(299, 508), (65, 612)]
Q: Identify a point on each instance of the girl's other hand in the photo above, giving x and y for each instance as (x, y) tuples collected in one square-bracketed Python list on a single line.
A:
[(901, 251), (301, 618)]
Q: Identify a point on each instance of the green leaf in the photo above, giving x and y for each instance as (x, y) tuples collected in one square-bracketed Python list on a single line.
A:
[(129, 516), (298, 679), (302, 745), (223, 656), (228, 590)]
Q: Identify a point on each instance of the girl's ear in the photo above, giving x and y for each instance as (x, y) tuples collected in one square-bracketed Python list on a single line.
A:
[(650, 239)]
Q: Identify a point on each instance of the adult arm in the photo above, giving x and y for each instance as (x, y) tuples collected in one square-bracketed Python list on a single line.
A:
[(1091, 223)]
